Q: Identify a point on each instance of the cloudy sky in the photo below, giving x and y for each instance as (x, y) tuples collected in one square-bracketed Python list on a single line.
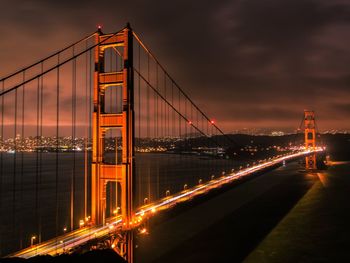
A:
[(249, 63)]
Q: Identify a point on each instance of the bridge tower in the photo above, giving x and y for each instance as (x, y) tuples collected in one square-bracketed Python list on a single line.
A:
[(310, 138), (119, 173)]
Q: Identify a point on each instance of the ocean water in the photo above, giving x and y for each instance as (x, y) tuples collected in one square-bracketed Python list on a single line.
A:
[(35, 189)]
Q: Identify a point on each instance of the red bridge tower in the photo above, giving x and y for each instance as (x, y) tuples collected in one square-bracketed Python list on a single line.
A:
[(310, 138)]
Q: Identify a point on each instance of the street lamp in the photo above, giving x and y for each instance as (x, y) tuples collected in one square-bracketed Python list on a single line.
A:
[(143, 231), (116, 211), (62, 242), (32, 240)]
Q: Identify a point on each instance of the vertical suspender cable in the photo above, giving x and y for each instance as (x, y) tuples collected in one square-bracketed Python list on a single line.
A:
[(138, 178), (185, 165), (57, 142), (40, 152), (90, 122), (164, 125), (86, 130), (148, 125), (173, 112), (116, 99), (72, 192), (1, 158), (37, 153), (157, 108), (168, 119), (164, 111), (156, 133), (180, 142), (21, 178), (172, 117), (14, 167), (191, 139)]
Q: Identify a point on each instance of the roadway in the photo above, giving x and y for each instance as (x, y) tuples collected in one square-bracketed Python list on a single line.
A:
[(81, 236)]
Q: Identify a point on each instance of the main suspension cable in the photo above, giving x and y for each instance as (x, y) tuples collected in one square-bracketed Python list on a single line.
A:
[(48, 57)]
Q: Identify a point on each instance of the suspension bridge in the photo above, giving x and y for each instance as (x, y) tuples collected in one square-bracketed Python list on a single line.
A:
[(98, 137)]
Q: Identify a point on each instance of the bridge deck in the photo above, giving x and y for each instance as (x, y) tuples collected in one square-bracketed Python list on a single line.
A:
[(79, 237)]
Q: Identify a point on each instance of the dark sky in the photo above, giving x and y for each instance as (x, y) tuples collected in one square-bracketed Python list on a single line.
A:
[(248, 63)]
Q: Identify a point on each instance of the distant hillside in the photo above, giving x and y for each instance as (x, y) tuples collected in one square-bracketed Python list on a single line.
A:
[(337, 145)]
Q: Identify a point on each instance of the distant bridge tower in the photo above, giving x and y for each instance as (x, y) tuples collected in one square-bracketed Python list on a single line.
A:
[(310, 138), (120, 173)]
